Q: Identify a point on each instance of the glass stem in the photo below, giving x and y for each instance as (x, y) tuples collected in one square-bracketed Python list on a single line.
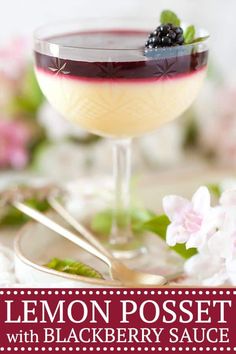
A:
[(121, 225)]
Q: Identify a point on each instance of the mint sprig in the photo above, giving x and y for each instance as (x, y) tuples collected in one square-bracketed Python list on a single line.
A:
[(168, 16), (189, 34), (200, 39), (72, 267)]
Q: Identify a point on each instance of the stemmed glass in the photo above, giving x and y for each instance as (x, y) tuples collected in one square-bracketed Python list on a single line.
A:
[(96, 73)]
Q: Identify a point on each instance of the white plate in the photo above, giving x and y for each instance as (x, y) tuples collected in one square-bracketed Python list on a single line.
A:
[(35, 245)]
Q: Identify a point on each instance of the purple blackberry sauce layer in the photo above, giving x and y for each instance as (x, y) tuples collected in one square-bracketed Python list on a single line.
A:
[(134, 64)]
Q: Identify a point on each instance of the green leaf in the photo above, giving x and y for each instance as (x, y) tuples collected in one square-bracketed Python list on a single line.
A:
[(185, 253), (72, 267), (13, 217), (158, 225), (189, 34), (138, 217), (142, 220), (30, 96), (215, 189), (191, 134), (85, 139), (102, 221), (200, 39), (31, 89), (168, 16)]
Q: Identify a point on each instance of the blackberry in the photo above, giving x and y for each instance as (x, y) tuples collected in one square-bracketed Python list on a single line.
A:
[(166, 35)]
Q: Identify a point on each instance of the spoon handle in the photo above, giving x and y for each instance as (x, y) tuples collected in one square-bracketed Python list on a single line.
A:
[(59, 208), (52, 225)]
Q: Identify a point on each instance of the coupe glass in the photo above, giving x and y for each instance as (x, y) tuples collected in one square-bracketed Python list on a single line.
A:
[(96, 73)]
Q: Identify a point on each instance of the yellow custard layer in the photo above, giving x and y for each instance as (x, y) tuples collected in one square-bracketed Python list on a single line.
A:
[(120, 108)]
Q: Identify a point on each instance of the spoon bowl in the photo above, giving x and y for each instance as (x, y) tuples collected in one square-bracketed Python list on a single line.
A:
[(134, 278)]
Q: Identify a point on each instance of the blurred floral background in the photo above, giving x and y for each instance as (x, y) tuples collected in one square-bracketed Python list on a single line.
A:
[(37, 142), (34, 138)]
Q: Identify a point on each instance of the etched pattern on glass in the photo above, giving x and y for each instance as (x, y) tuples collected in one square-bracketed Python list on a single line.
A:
[(167, 69), (59, 67), (109, 70)]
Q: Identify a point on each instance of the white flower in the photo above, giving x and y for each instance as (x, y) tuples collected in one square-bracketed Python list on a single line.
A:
[(7, 276), (61, 161), (208, 269), (231, 270), (228, 198), (215, 264), (69, 160), (191, 221), (223, 241), (216, 116), (163, 147), (212, 230), (57, 127)]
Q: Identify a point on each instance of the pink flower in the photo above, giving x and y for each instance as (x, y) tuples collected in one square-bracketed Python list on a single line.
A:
[(188, 218), (207, 269), (212, 230), (13, 58), (223, 243), (14, 137), (228, 198), (217, 124), (13, 65)]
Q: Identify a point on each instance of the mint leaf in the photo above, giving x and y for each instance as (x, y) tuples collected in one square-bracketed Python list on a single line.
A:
[(168, 16), (189, 34), (158, 225), (200, 39), (71, 267)]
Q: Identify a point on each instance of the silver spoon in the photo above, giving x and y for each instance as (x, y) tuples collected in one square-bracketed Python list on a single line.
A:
[(118, 271), (62, 211)]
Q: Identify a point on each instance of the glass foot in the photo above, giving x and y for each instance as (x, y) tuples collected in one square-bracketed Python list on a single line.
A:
[(128, 250)]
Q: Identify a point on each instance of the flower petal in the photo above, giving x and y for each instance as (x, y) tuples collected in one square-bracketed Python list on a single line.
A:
[(217, 279), (221, 244), (196, 240), (207, 268), (195, 266), (171, 235), (201, 200), (228, 198), (174, 205), (176, 234), (214, 219), (231, 270)]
